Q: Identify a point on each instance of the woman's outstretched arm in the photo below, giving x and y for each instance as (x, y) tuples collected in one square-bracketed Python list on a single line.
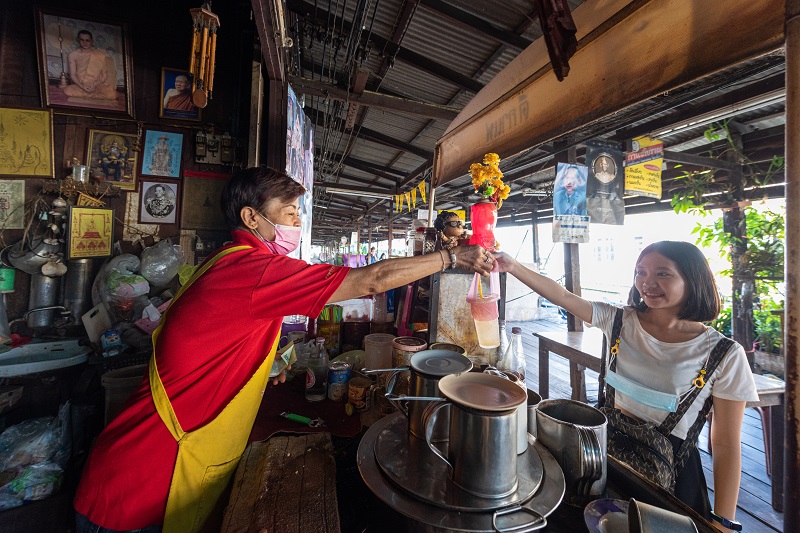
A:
[(546, 287)]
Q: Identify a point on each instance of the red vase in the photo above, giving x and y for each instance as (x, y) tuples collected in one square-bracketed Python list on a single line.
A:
[(484, 219)]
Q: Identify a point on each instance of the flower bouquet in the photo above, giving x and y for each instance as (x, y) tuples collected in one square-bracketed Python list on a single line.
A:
[(488, 180)]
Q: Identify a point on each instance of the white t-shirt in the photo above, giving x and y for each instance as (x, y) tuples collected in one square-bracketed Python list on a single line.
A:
[(671, 366)]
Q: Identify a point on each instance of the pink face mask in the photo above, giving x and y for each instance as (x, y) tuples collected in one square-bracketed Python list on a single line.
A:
[(287, 238)]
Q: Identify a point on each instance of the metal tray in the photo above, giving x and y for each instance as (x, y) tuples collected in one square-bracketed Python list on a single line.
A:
[(409, 463), (543, 503)]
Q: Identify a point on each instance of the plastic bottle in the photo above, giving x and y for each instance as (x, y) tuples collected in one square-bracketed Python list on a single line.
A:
[(513, 365), (504, 343), (513, 360), (317, 373)]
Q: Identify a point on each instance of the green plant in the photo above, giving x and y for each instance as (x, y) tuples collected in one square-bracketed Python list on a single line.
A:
[(723, 322), (768, 328), (763, 259)]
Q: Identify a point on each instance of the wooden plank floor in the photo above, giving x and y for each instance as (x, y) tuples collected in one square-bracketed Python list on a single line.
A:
[(755, 495)]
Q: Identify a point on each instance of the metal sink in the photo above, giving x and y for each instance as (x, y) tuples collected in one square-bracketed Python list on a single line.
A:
[(42, 356)]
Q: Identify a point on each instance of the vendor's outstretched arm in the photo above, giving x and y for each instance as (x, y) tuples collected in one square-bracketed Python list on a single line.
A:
[(392, 273), (546, 287)]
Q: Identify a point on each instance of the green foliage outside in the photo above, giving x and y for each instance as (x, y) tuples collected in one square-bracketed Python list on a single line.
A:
[(763, 260)]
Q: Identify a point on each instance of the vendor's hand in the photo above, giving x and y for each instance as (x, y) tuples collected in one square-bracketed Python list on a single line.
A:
[(505, 262), (474, 258), (281, 378)]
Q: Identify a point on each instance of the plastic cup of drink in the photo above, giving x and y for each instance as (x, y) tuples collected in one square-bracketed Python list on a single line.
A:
[(485, 315)]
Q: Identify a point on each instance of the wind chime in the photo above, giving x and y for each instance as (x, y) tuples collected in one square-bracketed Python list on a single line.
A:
[(204, 49)]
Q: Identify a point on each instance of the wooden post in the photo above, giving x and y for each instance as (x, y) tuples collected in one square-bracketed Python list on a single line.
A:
[(791, 493), (535, 234)]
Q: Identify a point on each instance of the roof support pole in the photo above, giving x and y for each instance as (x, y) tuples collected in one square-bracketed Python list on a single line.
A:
[(791, 494)]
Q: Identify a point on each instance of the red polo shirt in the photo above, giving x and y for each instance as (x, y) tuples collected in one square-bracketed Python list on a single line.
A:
[(213, 339)]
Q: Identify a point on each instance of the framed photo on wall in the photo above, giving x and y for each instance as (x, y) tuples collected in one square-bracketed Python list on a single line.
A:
[(110, 157), (161, 155), (33, 130), (158, 203), (91, 232), (201, 200), (176, 95), (84, 62)]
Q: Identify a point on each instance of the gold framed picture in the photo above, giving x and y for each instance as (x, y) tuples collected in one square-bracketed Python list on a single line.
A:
[(111, 158), (26, 142), (84, 62), (91, 232)]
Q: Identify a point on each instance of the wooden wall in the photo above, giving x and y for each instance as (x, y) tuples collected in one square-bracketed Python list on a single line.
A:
[(160, 36)]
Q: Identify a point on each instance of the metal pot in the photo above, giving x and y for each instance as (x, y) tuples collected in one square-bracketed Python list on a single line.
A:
[(427, 368), (482, 431), (575, 433)]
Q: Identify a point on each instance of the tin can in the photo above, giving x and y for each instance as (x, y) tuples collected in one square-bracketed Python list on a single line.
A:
[(338, 375), (358, 392), (404, 348)]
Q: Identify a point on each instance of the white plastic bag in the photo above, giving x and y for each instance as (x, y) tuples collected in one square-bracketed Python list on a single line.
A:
[(160, 263)]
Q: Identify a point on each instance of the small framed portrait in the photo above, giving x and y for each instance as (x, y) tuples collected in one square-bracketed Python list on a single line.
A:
[(26, 145), (162, 154), (84, 62), (110, 157), (176, 95), (158, 203), (91, 232)]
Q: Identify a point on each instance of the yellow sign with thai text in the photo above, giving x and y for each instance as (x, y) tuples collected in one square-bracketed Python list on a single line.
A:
[(643, 168)]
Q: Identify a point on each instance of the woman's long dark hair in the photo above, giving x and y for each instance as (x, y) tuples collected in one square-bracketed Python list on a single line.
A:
[(702, 303)]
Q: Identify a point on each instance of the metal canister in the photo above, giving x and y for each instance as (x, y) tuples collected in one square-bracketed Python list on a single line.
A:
[(404, 348), (338, 376)]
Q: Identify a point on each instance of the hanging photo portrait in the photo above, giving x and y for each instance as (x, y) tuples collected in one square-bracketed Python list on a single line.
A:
[(176, 95), (569, 190), (162, 154), (84, 62), (295, 128), (111, 158), (605, 182), (158, 203), (12, 204)]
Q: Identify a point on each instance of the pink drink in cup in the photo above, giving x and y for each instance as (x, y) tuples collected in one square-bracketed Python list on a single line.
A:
[(485, 313)]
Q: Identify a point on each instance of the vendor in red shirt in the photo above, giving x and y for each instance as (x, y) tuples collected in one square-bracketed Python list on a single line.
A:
[(166, 459)]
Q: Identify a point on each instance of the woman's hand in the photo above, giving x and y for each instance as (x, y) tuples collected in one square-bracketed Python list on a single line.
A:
[(474, 258), (281, 378), (505, 262)]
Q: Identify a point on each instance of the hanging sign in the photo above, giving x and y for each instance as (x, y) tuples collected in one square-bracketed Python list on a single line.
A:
[(571, 228), (643, 168), (605, 183)]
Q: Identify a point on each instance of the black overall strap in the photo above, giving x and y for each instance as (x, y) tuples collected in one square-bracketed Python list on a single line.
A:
[(720, 350), (606, 396)]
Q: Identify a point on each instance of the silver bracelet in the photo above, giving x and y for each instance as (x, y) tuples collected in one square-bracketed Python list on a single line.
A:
[(452, 260)]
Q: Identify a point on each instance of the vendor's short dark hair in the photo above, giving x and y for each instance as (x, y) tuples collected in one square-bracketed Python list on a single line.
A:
[(442, 218), (254, 187), (702, 302)]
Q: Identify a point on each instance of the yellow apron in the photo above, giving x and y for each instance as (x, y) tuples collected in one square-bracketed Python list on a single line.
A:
[(207, 456)]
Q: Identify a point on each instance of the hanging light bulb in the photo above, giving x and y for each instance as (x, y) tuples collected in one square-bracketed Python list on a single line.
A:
[(204, 49)]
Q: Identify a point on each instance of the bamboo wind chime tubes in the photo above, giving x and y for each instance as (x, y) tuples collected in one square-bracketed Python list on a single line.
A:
[(204, 49)]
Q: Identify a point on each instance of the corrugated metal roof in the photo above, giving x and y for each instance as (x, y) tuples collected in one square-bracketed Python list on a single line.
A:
[(414, 52)]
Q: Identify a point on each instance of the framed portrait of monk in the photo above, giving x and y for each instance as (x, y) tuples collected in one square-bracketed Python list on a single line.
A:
[(176, 95), (84, 62)]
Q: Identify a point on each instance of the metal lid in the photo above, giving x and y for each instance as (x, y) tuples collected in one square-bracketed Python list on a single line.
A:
[(448, 346), (484, 392), (440, 362), (409, 344)]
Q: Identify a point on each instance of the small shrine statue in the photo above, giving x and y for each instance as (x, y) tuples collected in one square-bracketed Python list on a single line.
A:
[(450, 230)]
